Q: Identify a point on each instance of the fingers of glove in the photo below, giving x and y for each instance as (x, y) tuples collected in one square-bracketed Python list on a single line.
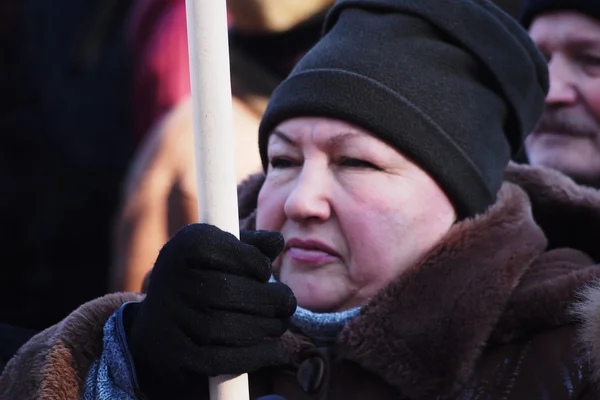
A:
[(232, 329), (203, 246), (218, 291), (268, 242), (187, 243), (222, 360)]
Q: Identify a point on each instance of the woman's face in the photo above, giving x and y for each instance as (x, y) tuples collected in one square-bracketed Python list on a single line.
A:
[(354, 212)]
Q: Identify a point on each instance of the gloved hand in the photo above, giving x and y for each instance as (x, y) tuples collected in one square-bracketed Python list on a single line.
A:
[(209, 311)]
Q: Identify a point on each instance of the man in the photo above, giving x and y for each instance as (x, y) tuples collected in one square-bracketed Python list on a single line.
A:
[(568, 136)]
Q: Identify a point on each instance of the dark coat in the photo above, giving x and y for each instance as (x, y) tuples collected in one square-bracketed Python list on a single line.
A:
[(488, 314)]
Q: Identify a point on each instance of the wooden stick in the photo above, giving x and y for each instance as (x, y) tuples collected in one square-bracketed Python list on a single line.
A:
[(213, 139)]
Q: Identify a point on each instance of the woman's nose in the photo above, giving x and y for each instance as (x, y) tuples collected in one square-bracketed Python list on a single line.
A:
[(310, 197)]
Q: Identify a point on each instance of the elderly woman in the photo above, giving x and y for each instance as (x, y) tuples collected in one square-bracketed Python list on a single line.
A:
[(421, 269)]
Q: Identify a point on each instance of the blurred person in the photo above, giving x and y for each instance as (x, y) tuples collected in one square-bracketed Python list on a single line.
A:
[(266, 37), (159, 194), (64, 149), (568, 136), (158, 35)]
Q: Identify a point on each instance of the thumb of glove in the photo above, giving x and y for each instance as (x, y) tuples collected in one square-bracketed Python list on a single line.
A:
[(268, 242)]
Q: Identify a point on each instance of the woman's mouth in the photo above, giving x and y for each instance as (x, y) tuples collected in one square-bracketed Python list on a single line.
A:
[(310, 251)]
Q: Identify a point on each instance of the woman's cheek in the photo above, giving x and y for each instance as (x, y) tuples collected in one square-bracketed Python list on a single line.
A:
[(271, 204), (265, 208)]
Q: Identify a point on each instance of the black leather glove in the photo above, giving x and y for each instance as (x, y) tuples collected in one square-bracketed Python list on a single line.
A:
[(209, 311)]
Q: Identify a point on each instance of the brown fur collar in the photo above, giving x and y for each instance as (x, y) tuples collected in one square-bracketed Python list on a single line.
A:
[(588, 312), (569, 214), (53, 365), (247, 199), (492, 280)]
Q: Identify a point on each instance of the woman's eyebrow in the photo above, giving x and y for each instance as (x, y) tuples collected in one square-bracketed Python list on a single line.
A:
[(284, 137), (341, 137), (332, 141)]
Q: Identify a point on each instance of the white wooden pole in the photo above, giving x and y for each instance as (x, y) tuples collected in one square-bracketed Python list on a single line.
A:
[(213, 139)]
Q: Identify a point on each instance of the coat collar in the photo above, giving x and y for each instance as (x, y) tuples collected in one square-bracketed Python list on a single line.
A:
[(494, 278)]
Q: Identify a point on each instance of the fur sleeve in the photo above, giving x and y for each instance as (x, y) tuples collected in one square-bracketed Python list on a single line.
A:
[(55, 362)]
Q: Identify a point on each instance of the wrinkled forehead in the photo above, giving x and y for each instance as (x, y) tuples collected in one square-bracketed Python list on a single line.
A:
[(565, 29), (319, 129)]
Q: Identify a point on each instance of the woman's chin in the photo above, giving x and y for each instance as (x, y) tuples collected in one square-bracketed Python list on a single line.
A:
[(316, 293), (317, 300)]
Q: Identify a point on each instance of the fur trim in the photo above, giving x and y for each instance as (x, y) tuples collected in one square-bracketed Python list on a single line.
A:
[(248, 194), (587, 311), (247, 200), (545, 294), (295, 347), (561, 207), (53, 364)]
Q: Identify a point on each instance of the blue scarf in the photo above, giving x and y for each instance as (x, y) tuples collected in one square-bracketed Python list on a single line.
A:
[(321, 328)]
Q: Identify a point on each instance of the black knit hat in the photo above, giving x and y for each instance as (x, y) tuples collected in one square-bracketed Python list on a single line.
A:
[(533, 8), (455, 85)]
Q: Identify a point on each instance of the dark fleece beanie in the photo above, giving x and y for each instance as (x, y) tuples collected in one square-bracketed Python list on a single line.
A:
[(533, 8), (454, 85)]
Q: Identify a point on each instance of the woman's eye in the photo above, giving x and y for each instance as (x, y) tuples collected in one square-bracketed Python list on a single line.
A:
[(357, 163), (281, 162)]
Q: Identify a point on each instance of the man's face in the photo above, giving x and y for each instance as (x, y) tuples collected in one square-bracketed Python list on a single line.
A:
[(568, 135)]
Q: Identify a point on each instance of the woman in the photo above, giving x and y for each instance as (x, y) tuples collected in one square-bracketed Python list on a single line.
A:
[(407, 266)]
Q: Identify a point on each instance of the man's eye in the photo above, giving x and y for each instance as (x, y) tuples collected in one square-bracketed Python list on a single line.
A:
[(590, 59), (357, 163), (281, 162), (591, 63)]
